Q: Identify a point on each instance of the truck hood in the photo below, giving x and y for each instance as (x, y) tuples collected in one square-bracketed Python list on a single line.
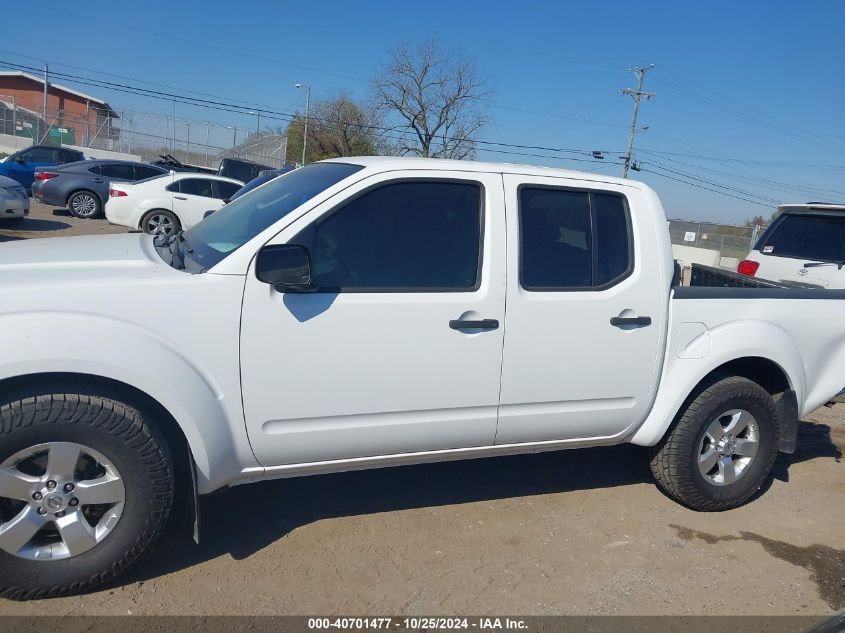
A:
[(81, 259)]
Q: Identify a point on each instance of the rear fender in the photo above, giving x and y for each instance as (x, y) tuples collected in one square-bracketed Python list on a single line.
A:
[(728, 342)]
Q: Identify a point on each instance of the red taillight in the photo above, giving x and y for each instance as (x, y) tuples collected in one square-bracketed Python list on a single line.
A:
[(747, 267), (45, 175), (117, 193)]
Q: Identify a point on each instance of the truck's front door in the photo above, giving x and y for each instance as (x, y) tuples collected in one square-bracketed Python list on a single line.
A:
[(387, 356), (585, 310)]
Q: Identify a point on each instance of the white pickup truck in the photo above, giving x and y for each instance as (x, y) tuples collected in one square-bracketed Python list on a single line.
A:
[(371, 312)]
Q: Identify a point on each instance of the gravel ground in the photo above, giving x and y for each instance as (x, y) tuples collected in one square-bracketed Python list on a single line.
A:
[(575, 532)]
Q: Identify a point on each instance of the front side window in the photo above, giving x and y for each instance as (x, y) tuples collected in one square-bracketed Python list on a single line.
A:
[(196, 187), (412, 236), (37, 155), (570, 239), (808, 237)]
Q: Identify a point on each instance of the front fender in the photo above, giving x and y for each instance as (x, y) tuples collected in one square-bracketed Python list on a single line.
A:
[(727, 342), (207, 408)]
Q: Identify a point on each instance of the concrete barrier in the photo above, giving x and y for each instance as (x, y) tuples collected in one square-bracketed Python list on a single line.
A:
[(10, 144), (690, 255)]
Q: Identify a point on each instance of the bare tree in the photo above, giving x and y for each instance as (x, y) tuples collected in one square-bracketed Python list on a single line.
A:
[(435, 101)]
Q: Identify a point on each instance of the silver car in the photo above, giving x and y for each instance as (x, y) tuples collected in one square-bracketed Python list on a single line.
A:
[(14, 201), (83, 186)]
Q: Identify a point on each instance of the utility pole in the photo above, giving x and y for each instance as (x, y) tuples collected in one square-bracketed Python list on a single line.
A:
[(307, 108), (636, 95), (46, 83)]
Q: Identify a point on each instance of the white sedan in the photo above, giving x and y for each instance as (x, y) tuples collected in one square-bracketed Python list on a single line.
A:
[(167, 204)]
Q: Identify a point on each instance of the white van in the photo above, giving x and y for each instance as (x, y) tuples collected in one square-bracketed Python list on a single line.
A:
[(804, 245)]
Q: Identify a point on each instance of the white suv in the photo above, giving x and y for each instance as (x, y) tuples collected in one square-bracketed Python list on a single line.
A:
[(804, 245)]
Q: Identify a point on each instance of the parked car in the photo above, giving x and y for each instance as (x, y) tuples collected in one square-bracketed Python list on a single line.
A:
[(14, 201), (170, 203), (350, 315), (805, 244), (84, 186), (260, 179), (21, 165), (235, 168), (171, 163), (240, 169)]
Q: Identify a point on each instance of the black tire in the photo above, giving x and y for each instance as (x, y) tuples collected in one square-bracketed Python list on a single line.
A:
[(85, 205), (167, 216), (139, 452), (675, 459)]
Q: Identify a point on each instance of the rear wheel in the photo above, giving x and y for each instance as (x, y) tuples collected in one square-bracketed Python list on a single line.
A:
[(84, 204), (160, 222), (86, 486), (722, 447)]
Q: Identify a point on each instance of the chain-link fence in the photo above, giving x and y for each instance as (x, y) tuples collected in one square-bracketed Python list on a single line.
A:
[(146, 135), (732, 242)]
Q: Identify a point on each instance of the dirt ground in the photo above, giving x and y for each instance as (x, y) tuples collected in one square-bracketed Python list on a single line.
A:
[(574, 532)]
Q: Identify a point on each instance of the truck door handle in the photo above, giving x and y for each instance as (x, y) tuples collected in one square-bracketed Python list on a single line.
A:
[(480, 324), (640, 321), (97, 180)]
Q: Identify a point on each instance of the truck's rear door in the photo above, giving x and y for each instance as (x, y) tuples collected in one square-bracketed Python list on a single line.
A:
[(585, 309)]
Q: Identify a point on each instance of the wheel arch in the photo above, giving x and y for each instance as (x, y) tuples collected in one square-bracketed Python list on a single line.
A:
[(762, 353), (15, 386)]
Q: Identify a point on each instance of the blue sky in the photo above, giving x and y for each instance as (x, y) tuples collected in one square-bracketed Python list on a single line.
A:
[(742, 83)]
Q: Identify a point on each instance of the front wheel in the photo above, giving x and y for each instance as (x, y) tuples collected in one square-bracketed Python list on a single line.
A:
[(85, 205), (721, 449), (160, 222), (86, 486)]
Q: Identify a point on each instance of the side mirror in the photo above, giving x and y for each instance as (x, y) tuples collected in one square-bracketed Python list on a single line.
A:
[(207, 213), (287, 267), (21, 161)]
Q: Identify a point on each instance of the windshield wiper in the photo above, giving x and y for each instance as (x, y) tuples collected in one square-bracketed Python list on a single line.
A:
[(838, 263)]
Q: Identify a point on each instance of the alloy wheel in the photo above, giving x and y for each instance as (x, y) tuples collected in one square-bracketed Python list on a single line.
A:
[(728, 447), (58, 500)]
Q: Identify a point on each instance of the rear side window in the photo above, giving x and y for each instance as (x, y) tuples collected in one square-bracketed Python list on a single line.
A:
[(809, 237), (197, 187), (570, 240), (95, 170), (413, 236), (225, 190), (119, 171), (143, 172)]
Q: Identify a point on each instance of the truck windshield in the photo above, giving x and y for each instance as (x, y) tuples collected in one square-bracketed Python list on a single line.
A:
[(239, 221)]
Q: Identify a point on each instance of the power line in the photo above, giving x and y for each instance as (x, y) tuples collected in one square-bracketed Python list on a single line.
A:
[(713, 183), (745, 176), (692, 184), (751, 108), (268, 113), (785, 129)]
